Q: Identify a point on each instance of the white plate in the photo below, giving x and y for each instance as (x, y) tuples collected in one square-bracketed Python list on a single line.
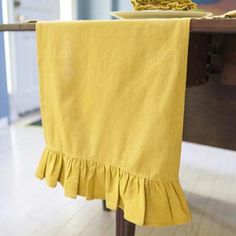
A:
[(158, 14)]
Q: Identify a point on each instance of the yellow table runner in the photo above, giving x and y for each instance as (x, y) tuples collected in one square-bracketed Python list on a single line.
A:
[(112, 102)]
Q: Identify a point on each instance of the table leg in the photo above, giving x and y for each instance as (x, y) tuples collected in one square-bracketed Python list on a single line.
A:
[(104, 206), (123, 227)]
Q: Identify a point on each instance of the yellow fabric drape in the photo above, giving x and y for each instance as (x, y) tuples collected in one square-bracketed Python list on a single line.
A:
[(112, 102)]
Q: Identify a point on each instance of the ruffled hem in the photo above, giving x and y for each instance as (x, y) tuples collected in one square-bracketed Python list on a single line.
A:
[(144, 201)]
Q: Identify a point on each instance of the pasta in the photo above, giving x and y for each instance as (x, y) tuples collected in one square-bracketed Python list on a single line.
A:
[(181, 5)]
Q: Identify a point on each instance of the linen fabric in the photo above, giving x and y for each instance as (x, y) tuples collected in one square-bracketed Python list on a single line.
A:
[(112, 103)]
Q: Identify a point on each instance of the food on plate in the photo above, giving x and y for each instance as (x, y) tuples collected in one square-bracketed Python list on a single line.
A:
[(179, 5)]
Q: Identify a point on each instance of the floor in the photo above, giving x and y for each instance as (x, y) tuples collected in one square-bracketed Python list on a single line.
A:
[(29, 207)]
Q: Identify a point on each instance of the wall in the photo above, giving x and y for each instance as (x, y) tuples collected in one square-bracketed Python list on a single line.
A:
[(99, 9), (124, 5), (94, 9), (4, 112)]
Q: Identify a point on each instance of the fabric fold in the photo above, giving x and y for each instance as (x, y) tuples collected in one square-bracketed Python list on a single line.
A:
[(145, 202)]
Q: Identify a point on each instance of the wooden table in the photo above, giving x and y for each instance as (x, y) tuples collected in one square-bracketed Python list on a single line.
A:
[(212, 57), (212, 51), (226, 26)]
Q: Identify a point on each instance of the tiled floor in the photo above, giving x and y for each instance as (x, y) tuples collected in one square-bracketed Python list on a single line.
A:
[(29, 207)]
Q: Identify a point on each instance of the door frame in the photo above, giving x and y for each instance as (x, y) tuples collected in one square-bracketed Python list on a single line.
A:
[(69, 12), (10, 52), (9, 39)]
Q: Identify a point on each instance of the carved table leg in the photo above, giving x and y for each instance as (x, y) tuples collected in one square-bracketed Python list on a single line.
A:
[(123, 227)]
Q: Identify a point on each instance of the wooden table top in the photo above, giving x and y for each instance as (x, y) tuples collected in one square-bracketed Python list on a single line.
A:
[(225, 26)]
